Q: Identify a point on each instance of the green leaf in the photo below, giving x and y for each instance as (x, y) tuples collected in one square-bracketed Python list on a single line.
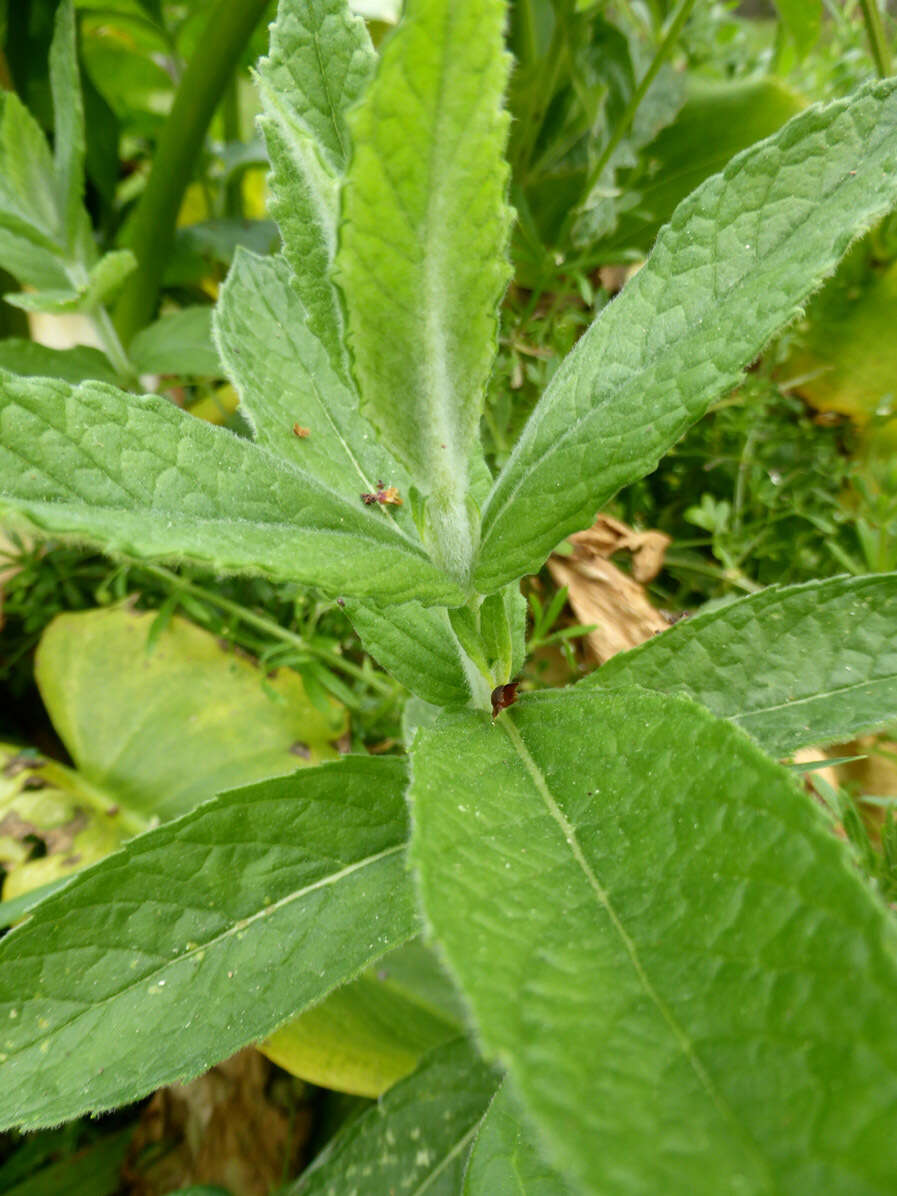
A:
[(320, 61), (71, 365), (284, 378), (719, 119), (739, 257), (202, 936), (370, 1033), (160, 722), (504, 1160), (94, 1170), (138, 476), (661, 939), (416, 1138), (417, 646), (30, 232), (102, 281), (69, 141), (179, 343), (422, 260), (814, 663)]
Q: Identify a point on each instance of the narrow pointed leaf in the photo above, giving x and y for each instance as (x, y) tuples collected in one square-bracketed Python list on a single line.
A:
[(735, 263), (505, 1160), (417, 1138), (69, 139), (422, 259), (134, 474), (662, 940), (298, 405), (201, 937), (814, 663), (320, 60)]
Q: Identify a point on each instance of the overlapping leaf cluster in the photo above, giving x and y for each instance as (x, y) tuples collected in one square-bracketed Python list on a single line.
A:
[(670, 962)]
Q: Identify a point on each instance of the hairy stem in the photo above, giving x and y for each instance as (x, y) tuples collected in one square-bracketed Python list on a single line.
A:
[(151, 233)]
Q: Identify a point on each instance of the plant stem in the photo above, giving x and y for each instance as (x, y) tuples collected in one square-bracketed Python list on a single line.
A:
[(151, 234), (269, 626), (878, 42), (112, 346), (674, 28)]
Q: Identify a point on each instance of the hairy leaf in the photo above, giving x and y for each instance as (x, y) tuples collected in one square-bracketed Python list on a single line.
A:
[(136, 475), (297, 404), (814, 663), (718, 981), (320, 60), (417, 1138), (201, 937), (417, 646), (421, 258), (504, 1160), (160, 719), (738, 258)]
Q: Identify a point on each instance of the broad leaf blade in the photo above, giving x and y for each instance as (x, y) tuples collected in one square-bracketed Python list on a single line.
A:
[(161, 723), (320, 60), (417, 1137), (738, 258), (504, 1160), (72, 365), (202, 936), (422, 260), (179, 343), (656, 929), (136, 475), (814, 663), (298, 405)]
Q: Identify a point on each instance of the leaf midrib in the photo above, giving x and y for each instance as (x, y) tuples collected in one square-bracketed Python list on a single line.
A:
[(237, 927), (685, 1044)]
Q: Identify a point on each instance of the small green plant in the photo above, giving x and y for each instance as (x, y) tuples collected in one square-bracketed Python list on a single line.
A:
[(673, 976)]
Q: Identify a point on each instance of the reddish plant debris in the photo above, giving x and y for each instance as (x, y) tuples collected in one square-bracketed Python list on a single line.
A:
[(302, 433), (387, 495), (503, 696)]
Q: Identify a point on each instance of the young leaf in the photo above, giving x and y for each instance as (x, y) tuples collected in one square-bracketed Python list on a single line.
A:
[(738, 258), (814, 663), (285, 381), (416, 1138), (136, 475), (160, 723), (103, 279), (178, 343), (684, 921), (201, 937), (422, 245), (320, 61), (417, 646), (504, 1158)]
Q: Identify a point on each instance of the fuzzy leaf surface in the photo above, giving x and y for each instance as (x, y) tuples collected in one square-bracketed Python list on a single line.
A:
[(719, 983), (734, 265), (422, 260), (416, 1138), (284, 377), (504, 1160), (417, 646), (320, 60), (813, 663), (202, 936), (136, 475)]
